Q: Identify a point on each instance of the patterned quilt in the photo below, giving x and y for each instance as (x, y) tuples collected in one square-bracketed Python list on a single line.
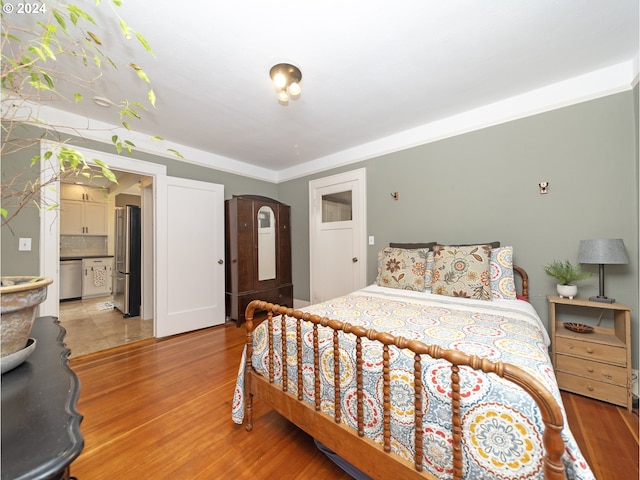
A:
[(501, 424)]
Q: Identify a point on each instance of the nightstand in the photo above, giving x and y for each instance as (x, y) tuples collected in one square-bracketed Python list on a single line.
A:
[(596, 364)]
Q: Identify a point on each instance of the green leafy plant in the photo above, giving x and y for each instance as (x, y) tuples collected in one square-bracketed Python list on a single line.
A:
[(565, 272), (54, 53)]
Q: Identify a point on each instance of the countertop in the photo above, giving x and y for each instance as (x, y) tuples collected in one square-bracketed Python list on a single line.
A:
[(80, 257)]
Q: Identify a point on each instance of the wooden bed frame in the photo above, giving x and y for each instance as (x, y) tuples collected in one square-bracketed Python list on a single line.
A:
[(376, 460)]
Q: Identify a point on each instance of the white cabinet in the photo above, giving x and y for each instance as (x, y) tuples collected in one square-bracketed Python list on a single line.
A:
[(95, 218), (83, 193), (83, 211), (96, 277), (71, 217)]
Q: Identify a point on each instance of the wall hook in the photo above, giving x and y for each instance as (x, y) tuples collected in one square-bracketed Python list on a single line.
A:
[(394, 195), (544, 187)]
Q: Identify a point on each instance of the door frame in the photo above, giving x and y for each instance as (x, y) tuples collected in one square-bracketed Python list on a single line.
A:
[(359, 205), (50, 219), (147, 309)]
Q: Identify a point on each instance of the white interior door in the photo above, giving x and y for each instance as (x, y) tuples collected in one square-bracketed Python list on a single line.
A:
[(337, 222), (190, 253)]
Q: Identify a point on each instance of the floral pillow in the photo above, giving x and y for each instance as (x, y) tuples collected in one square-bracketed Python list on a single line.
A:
[(462, 271), (402, 268), (428, 273), (502, 282)]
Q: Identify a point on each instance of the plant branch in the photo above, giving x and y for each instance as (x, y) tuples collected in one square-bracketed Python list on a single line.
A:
[(58, 46)]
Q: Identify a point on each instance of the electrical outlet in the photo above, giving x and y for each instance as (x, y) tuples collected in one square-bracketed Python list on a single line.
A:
[(24, 245)]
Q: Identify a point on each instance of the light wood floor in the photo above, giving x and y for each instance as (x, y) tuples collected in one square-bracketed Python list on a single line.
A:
[(161, 409), (91, 328)]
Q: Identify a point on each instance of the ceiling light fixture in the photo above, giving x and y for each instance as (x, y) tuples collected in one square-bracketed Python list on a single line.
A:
[(286, 78)]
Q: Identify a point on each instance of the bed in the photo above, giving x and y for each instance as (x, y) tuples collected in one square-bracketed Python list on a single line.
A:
[(418, 375)]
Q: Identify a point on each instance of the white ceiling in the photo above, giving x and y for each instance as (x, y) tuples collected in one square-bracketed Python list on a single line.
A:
[(371, 70)]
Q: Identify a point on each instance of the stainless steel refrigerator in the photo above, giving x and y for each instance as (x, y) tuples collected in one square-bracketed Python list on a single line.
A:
[(127, 272)]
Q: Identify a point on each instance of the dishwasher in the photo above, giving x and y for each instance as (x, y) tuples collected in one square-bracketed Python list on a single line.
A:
[(70, 279)]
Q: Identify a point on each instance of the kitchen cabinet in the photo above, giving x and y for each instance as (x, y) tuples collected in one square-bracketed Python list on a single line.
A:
[(595, 364), (258, 253), (97, 277), (78, 217), (83, 210), (83, 193)]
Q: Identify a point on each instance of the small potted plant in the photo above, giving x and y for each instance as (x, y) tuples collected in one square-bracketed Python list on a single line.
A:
[(566, 274)]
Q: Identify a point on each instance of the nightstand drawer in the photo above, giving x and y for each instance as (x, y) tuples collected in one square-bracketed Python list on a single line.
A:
[(594, 370), (591, 388), (591, 350)]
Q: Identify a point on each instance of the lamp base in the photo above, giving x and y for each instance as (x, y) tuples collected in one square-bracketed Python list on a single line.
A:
[(602, 299)]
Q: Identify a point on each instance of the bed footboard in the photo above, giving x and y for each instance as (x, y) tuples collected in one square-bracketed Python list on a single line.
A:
[(375, 460)]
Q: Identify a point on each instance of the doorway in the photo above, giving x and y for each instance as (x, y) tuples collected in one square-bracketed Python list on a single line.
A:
[(94, 324), (337, 237), (180, 302), (50, 218)]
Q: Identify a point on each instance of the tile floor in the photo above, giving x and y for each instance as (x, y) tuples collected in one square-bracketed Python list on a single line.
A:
[(90, 328)]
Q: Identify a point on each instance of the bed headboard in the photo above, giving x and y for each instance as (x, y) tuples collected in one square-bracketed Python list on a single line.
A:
[(524, 277)]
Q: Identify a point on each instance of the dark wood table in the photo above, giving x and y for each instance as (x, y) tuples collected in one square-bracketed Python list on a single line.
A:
[(40, 424)]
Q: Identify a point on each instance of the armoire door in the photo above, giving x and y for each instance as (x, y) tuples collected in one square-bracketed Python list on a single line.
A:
[(284, 246), (245, 259)]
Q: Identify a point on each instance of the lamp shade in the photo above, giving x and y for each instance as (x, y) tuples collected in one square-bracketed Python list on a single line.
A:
[(603, 251)]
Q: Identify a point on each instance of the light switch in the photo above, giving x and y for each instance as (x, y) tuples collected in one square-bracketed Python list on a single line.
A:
[(24, 245), (371, 240)]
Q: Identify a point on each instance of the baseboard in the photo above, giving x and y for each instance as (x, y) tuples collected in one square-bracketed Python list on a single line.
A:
[(303, 303)]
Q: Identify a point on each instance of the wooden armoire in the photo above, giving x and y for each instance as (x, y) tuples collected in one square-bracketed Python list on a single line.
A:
[(258, 253)]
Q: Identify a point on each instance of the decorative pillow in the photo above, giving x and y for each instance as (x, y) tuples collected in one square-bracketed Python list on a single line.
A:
[(462, 271), (428, 273), (402, 268), (502, 282)]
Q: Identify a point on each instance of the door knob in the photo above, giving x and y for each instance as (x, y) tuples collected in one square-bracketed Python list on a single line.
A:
[(354, 259), (220, 261)]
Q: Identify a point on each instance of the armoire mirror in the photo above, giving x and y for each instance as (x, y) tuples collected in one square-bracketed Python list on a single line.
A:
[(266, 244)]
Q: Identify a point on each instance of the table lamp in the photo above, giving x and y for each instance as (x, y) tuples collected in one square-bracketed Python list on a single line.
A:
[(602, 251)]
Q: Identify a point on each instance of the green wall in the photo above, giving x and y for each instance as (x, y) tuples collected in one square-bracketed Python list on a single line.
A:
[(483, 186), (476, 187), (28, 223)]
